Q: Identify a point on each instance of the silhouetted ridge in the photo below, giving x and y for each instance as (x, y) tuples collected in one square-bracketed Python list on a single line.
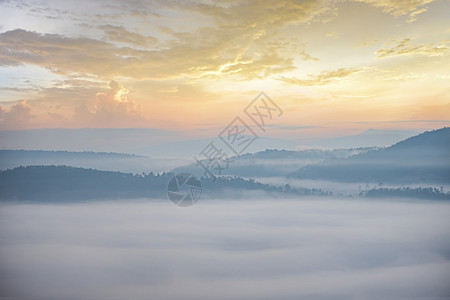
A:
[(420, 159), (63, 183)]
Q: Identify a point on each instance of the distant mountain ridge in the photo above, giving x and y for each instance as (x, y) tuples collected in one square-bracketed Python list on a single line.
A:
[(436, 142), (424, 158), (44, 153), (273, 162), (368, 138), (163, 143), (107, 161), (141, 141)]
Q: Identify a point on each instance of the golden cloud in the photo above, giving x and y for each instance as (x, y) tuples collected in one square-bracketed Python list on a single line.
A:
[(404, 47), (112, 108), (122, 35), (322, 78), (399, 7), (234, 43)]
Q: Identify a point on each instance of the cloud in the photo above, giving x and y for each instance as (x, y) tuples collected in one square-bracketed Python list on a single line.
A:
[(399, 7), (112, 108), (414, 14), (307, 56), (57, 53), (232, 42), (18, 115), (55, 116), (116, 101), (322, 78), (257, 14), (404, 48), (120, 34), (205, 53)]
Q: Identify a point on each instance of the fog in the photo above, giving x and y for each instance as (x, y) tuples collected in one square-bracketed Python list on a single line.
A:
[(340, 188), (254, 249)]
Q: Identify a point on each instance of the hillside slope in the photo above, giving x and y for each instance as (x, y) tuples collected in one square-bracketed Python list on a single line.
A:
[(424, 158), (63, 183)]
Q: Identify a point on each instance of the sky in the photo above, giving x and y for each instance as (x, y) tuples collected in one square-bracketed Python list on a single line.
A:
[(332, 67)]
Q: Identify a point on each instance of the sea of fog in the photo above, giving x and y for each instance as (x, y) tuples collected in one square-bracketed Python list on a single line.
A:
[(250, 249)]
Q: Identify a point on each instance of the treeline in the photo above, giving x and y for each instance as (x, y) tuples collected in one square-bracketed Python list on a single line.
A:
[(226, 186), (64, 183), (59, 183), (304, 154), (407, 192)]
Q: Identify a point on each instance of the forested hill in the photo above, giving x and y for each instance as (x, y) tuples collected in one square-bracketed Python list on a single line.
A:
[(63, 183), (424, 158)]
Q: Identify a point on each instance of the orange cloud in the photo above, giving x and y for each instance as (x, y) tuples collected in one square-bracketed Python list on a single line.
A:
[(322, 78), (17, 116), (112, 108)]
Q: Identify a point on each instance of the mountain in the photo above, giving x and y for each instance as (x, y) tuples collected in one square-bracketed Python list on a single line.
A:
[(106, 161), (368, 138), (63, 183), (122, 140), (424, 158), (140, 141), (273, 163)]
